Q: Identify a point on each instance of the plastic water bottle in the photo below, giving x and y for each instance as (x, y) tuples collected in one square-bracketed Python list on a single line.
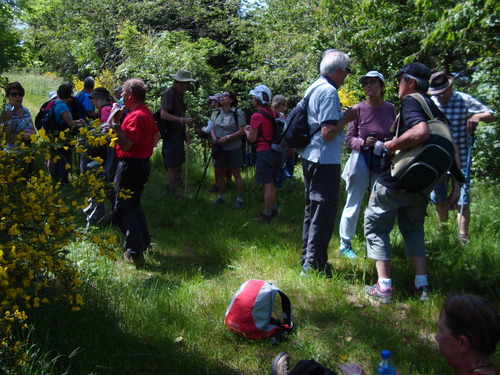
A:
[(386, 365)]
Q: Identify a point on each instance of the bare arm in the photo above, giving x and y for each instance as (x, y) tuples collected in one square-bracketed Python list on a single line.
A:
[(156, 139), (330, 131), (476, 118), (251, 133), (415, 136), (124, 142), (165, 115)]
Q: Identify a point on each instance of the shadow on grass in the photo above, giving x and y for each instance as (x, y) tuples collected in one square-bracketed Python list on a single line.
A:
[(95, 341)]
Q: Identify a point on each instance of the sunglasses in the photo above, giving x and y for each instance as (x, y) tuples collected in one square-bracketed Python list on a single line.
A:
[(15, 94)]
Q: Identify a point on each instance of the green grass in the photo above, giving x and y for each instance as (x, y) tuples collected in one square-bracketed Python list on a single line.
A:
[(169, 317)]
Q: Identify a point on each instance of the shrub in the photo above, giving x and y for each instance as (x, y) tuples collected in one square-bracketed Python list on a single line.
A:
[(37, 222)]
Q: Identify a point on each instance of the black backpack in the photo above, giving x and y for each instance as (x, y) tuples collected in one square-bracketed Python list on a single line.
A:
[(297, 132), (311, 367), (161, 124), (46, 119)]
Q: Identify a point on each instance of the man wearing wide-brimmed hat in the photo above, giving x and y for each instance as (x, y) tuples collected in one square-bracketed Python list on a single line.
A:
[(464, 113), (173, 111)]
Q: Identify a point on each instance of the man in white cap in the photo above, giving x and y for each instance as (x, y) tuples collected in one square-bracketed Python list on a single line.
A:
[(321, 160), (464, 113), (173, 111)]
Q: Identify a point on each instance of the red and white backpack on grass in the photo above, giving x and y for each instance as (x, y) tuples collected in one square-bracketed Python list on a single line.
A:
[(250, 312)]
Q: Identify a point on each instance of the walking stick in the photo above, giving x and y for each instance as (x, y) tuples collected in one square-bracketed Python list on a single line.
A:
[(467, 181), (187, 162)]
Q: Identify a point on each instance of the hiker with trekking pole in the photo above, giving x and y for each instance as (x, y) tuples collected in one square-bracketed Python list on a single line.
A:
[(464, 112), (365, 137)]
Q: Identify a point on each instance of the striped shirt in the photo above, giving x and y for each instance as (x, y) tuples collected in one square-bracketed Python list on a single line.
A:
[(458, 109)]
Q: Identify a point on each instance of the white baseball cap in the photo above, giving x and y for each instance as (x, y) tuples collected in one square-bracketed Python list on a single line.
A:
[(257, 92)]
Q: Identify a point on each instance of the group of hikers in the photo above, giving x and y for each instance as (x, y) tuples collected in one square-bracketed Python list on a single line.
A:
[(370, 135)]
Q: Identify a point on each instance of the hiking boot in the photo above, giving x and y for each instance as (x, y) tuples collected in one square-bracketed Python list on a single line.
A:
[(263, 218), (274, 212), (384, 296), (308, 269), (281, 364), (422, 293), (213, 189), (237, 205), (146, 246), (346, 250), (219, 200), (463, 239), (138, 260)]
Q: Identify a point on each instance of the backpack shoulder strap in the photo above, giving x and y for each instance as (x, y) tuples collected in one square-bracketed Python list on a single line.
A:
[(423, 104), (235, 113), (286, 308), (266, 115), (269, 117)]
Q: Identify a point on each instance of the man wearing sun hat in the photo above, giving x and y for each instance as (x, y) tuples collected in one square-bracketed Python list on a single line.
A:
[(464, 113), (173, 111)]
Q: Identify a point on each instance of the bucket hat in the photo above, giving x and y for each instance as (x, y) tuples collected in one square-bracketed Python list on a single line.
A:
[(182, 76), (99, 93), (439, 82), (371, 74)]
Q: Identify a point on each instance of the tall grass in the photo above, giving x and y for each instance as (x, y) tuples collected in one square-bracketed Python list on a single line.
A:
[(169, 317)]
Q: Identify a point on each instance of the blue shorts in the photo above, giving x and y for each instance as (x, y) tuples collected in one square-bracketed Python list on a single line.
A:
[(441, 192), (267, 166), (172, 151), (232, 159)]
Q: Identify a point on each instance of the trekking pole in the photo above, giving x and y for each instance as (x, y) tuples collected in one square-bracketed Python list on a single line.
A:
[(202, 178), (467, 180), (246, 174), (187, 162)]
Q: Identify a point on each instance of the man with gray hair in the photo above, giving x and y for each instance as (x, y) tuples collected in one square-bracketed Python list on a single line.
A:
[(321, 160), (85, 107), (390, 199)]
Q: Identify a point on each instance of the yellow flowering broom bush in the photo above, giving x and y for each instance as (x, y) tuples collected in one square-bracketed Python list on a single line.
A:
[(37, 222)]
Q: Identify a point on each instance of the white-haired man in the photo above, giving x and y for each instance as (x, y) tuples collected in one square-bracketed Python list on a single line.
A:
[(321, 160)]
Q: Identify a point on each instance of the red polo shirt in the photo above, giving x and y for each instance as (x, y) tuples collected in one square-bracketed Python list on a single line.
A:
[(140, 127)]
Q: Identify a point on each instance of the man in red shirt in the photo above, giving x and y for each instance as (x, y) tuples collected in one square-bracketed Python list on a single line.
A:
[(137, 136)]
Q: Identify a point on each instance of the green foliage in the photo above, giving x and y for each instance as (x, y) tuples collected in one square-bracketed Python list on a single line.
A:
[(37, 223), (485, 163), (10, 49)]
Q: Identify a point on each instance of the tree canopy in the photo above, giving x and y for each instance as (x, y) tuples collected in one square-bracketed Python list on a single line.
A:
[(235, 44)]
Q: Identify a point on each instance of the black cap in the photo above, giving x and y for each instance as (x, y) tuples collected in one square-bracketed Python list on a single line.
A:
[(99, 93), (415, 69)]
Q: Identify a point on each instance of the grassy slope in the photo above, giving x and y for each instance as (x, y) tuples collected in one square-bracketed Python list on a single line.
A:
[(169, 317)]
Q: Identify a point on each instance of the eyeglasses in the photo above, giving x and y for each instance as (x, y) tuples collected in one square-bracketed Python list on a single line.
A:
[(225, 96), (15, 94), (368, 81)]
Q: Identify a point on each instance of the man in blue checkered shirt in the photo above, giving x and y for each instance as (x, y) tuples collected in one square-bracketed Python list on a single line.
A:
[(464, 113)]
